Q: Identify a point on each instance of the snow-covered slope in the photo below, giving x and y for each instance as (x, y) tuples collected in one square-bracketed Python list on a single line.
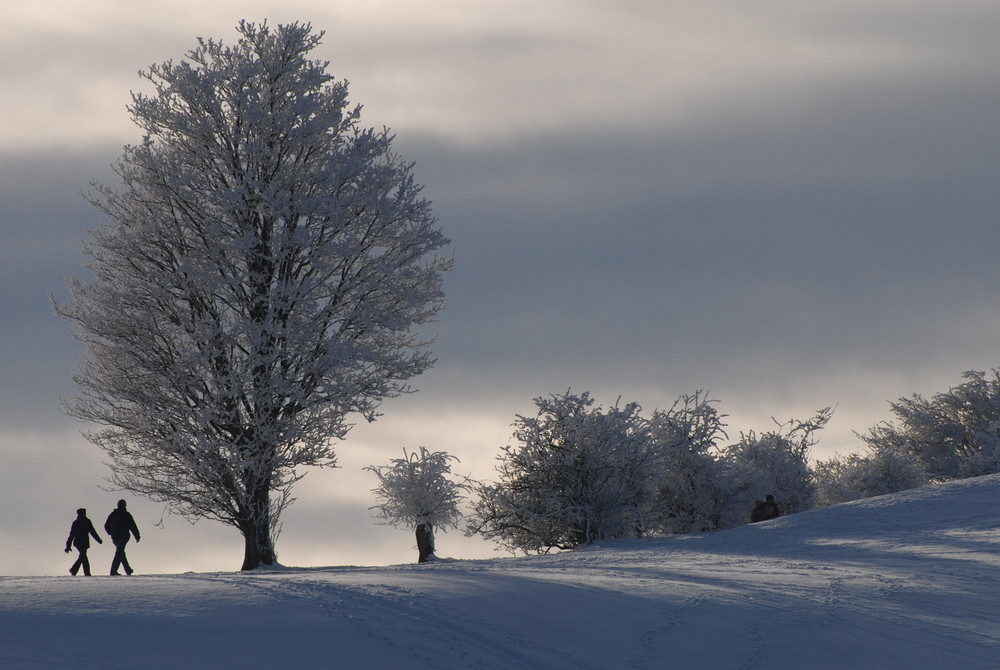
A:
[(908, 581)]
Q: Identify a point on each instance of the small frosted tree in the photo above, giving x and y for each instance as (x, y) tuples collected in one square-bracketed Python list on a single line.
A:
[(418, 491), (264, 267), (576, 474), (955, 434)]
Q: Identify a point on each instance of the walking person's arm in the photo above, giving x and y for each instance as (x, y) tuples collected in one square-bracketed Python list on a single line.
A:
[(133, 527)]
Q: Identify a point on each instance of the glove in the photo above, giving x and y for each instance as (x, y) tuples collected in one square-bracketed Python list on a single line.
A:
[(67, 550)]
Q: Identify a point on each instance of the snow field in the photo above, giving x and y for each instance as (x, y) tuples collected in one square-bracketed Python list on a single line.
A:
[(901, 581)]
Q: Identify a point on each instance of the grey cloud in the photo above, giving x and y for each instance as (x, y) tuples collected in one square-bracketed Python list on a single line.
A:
[(44, 220), (864, 232)]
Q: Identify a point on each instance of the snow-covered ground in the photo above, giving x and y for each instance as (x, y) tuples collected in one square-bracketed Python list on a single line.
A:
[(906, 581)]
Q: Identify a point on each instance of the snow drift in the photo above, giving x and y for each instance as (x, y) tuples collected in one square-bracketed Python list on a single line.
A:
[(907, 580)]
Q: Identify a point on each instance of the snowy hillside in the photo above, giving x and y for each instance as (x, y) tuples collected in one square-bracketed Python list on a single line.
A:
[(905, 581)]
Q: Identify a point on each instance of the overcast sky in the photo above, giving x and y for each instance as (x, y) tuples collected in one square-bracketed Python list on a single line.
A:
[(792, 205)]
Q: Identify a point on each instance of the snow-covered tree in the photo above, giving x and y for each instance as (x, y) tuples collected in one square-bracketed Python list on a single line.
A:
[(855, 476), (577, 474), (955, 434), (775, 462), (265, 262), (687, 476), (418, 491)]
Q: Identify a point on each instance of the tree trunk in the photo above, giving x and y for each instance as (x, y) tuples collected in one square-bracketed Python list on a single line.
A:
[(258, 549), (258, 544), (425, 542)]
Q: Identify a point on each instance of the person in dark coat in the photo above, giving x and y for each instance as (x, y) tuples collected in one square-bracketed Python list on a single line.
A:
[(765, 509), (773, 512), (79, 537), (120, 525)]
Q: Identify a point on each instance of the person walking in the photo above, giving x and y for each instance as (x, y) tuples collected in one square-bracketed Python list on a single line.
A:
[(79, 537), (120, 526)]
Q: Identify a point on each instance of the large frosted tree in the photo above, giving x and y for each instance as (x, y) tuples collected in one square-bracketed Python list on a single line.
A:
[(262, 275)]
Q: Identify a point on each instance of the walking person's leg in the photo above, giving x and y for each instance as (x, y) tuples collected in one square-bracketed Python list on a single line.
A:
[(128, 568), (119, 556)]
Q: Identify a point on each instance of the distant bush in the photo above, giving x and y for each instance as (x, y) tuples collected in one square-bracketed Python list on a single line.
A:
[(688, 487), (577, 473), (955, 434), (845, 478), (775, 462)]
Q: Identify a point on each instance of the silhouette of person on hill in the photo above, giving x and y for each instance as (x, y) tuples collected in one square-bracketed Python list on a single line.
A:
[(765, 509), (119, 526), (773, 512), (79, 537), (759, 512)]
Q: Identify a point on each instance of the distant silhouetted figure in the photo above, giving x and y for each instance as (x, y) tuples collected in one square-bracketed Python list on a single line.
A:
[(79, 537), (119, 526), (772, 507), (765, 509)]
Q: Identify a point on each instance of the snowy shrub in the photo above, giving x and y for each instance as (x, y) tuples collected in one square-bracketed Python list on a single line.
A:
[(835, 480), (687, 477), (416, 491), (576, 474), (855, 476), (776, 462), (955, 434)]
